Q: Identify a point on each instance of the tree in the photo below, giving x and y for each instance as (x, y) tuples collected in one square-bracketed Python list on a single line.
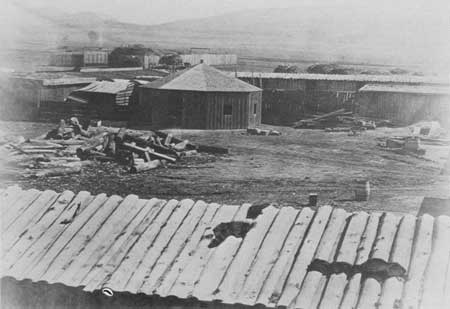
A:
[(286, 69)]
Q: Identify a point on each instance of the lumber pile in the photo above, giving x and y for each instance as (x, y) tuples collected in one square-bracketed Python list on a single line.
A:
[(68, 147), (403, 145), (336, 121), (258, 131)]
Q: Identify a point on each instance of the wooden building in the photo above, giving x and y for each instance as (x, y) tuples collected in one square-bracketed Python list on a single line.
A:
[(37, 96), (288, 96), (199, 98), (83, 250), (405, 103), (108, 99)]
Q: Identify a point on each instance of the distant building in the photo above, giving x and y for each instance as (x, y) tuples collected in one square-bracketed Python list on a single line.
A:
[(210, 59), (405, 103), (199, 98), (87, 57)]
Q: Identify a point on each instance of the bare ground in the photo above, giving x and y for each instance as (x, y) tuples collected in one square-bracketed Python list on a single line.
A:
[(281, 169)]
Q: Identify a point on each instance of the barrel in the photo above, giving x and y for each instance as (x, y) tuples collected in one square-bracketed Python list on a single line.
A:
[(362, 190), (312, 199)]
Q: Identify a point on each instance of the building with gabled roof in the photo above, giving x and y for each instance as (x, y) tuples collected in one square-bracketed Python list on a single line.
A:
[(200, 97)]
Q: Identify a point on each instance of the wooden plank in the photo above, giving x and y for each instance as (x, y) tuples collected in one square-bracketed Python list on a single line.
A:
[(190, 275), (185, 256), (39, 247), (9, 195), (326, 251), (391, 294), (214, 271), (52, 247), (311, 291), (435, 275), (351, 294), (419, 261), (348, 251), (401, 253), (158, 246), (30, 216), (347, 254), (80, 239), (370, 294), (334, 291), (267, 255), (122, 244), (241, 264), (385, 238), (32, 234), (175, 247), (13, 209), (304, 258), (392, 290), (130, 259), (101, 243), (273, 286)]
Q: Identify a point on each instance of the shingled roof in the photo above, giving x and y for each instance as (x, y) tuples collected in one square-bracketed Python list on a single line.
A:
[(283, 257), (204, 78)]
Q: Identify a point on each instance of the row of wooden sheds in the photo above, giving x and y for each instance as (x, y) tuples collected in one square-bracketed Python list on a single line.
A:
[(108, 251)]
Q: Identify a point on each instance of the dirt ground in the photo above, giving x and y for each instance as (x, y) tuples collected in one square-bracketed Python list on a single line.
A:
[(281, 169)]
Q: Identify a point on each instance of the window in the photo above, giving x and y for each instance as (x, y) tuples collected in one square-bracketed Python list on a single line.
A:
[(254, 108), (227, 109)]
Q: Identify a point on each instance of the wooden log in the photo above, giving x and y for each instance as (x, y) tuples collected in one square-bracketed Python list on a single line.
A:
[(351, 294), (267, 256), (155, 275), (122, 244), (29, 216), (316, 278), (305, 255), (21, 268), (16, 202), (346, 258), (43, 261), (130, 260), (419, 261), (401, 252), (76, 244), (385, 237), (272, 289), (190, 275), (391, 294), (79, 266), (435, 275), (144, 166), (370, 294), (59, 171), (212, 149), (240, 267), (311, 291), (216, 268), (185, 256), (33, 233), (148, 150), (161, 242)]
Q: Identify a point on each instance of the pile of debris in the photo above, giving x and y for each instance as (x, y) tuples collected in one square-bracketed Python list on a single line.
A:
[(65, 149), (337, 121), (257, 131), (403, 145)]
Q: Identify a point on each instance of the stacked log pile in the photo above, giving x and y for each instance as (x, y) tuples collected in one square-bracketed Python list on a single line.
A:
[(337, 121), (66, 149)]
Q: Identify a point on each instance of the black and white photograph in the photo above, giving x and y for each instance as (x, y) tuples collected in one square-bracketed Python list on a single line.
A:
[(225, 154)]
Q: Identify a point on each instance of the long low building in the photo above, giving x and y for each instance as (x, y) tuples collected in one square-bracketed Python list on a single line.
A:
[(405, 103), (83, 250), (288, 96)]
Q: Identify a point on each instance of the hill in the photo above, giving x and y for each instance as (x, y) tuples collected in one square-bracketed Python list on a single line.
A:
[(315, 33)]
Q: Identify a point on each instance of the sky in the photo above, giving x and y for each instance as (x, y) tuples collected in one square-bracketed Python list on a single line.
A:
[(160, 11)]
